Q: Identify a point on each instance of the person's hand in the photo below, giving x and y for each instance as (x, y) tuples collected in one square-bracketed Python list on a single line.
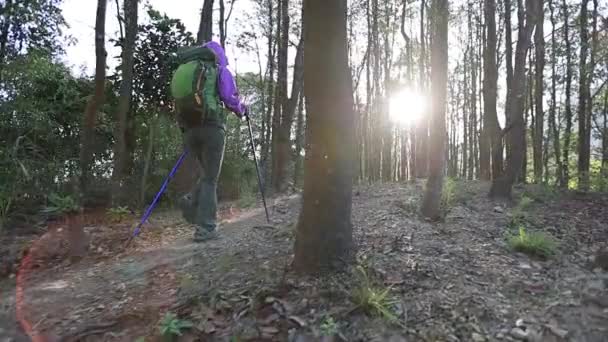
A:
[(246, 112)]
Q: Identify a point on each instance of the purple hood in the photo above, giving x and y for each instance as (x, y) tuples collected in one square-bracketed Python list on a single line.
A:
[(228, 92), (219, 53)]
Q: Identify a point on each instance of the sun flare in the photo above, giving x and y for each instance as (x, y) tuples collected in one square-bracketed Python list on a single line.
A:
[(406, 107)]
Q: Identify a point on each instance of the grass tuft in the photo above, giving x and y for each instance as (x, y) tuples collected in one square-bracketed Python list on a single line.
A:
[(536, 244), (373, 300)]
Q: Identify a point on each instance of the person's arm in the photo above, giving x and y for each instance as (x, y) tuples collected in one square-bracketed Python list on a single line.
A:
[(229, 93)]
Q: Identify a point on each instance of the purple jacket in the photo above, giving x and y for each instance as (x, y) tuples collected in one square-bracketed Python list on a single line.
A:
[(229, 94)]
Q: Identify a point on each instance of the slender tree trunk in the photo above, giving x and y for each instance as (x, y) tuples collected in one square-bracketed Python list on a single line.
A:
[(299, 142), (221, 25), (494, 134), (270, 88), (280, 153), (87, 138), (583, 129), (324, 232), (465, 121), (148, 160), (375, 122), (121, 151), (439, 62), (6, 9), (502, 187), (539, 120), (554, 122), (568, 107), (604, 170), (423, 129), (509, 76), (589, 98), (205, 28), (528, 119), (284, 143)]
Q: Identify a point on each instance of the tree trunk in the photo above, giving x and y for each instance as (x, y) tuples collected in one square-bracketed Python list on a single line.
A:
[(423, 129), (583, 130), (509, 66), (221, 25), (87, 138), (502, 186), (554, 122), (590, 69), (7, 10), (270, 89), (300, 125), (280, 153), (439, 70), (465, 118), (284, 142), (539, 48), (324, 231), (148, 160), (568, 107), (121, 151), (491, 125), (604, 170), (205, 28)]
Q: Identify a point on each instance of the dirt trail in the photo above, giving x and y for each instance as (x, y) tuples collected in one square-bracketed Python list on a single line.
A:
[(455, 280)]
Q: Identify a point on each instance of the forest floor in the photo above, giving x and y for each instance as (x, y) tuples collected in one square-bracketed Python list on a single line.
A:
[(455, 280)]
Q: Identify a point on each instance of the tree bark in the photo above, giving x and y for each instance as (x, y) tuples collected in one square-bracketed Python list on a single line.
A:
[(87, 137), (491, 125), (439, 70), (121, 151), (324, 231), (221, 25), (205, 28), (509, 76), (554, 122), (300, 125), (539, 48), (568, 107), (604, 167), (584, 149), (284, 142), (6, 9), (502, 186), (265, 156), (279, 157), (422, 135)]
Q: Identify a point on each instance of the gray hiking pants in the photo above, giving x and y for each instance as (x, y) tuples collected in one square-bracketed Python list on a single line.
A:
[(206, 143)]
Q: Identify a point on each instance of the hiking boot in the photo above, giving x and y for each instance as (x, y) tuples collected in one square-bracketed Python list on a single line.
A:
[(205, 235)]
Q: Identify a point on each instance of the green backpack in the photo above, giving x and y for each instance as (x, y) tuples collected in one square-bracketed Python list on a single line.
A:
[(194, 87)]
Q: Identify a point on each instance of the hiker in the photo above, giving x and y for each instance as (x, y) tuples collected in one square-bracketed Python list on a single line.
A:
[(204, 90)]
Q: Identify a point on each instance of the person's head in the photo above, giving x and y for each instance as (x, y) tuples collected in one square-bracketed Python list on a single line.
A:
[(219, 52)]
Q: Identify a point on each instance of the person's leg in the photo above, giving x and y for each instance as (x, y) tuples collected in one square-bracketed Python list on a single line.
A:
[(211, 161), (193, 140)]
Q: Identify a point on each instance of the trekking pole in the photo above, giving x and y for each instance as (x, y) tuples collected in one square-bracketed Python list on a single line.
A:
[(257, 169), (156, 198)]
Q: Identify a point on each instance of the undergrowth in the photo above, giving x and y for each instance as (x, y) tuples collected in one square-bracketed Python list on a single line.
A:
[(372, 299), (448, 194), (171, 326), (60, 205), (536, 244), (118, 214)]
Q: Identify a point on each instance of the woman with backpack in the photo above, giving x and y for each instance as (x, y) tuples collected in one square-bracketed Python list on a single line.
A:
[(204, 91)]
